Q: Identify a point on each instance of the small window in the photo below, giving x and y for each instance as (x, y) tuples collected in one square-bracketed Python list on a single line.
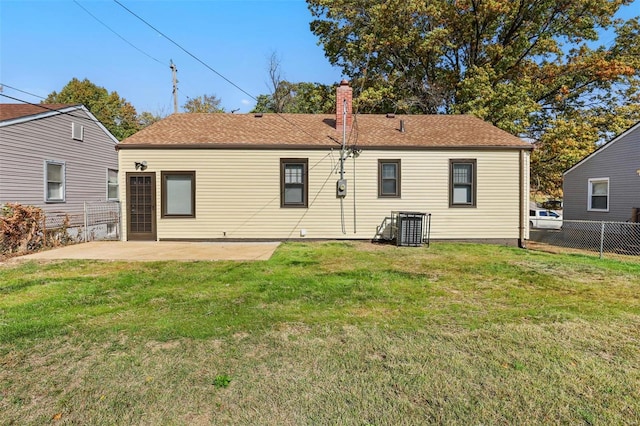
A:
[(54, 175), (178, 194), (599, 194), (77, 131), (543, 214), (389, 178), (112, 185), (462, 183), (293, 182)]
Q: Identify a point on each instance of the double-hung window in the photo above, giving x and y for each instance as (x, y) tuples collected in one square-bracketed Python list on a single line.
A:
[(54, 176), (462, 183), (388, 178), (112, 185), (599, 194), (294, 182), (178, 194)]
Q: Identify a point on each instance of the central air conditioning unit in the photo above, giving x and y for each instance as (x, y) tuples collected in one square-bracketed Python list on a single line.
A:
[(411, 229)]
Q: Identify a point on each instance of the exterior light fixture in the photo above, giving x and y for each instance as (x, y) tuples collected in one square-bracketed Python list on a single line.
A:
[(142, 165)]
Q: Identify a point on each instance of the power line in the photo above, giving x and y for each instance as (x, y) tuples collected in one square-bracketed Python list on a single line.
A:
[(21, 91), (43, 106), (187, 52), (156, 60), (113, 31), (208, 66), (117, 34)]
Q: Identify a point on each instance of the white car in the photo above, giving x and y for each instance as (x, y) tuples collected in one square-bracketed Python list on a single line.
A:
[(544, 219)]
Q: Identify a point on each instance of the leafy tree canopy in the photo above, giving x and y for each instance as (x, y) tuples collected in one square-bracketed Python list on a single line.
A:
[(204, 103), (114, 112), (531, 67), (309, 98), (147, 118)]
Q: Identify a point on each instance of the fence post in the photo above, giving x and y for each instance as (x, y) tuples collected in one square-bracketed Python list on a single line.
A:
[(86, 238), (601, 239)]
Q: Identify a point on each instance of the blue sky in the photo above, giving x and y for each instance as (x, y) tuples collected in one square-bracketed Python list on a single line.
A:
[(45, 43)]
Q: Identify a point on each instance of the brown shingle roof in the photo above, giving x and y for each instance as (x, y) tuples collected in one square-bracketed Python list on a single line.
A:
[(316, 130), (11, 111)]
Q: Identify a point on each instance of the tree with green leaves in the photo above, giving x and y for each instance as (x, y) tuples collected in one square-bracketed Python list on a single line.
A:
[(114, 112), (303, 97), (531, 67), (147, 118), (204, 103), (287, 97)]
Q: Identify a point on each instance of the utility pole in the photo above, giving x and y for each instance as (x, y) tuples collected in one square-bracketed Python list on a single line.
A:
[(174, 75)]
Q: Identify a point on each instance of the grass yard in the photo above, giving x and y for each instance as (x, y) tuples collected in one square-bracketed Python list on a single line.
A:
[(324, 333)]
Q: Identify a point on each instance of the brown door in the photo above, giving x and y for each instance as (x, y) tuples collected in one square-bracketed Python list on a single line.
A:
[(141, 206)]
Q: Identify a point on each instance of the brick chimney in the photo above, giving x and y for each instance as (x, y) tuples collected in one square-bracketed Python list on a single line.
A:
[(344, 91)]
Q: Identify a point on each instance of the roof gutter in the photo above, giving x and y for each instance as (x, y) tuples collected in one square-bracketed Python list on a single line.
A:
[(122, 146)]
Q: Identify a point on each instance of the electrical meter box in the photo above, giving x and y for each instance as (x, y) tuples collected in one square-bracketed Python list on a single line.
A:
[(341, 188)]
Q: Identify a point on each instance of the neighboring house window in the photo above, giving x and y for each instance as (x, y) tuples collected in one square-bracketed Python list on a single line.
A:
[(54, 186), (599, 194), (178, 194), (389, 178), (77, 131), (293, 182), (462, 183), (112, 185)]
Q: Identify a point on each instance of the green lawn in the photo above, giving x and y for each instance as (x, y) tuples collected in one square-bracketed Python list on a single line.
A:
[(324, 333)]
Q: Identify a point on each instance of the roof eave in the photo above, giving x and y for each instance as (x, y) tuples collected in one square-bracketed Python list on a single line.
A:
[(145, 146), (602, 148), (46, 113)]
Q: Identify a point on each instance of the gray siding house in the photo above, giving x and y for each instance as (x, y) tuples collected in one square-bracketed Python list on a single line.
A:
[(56, 157), (605, 186)]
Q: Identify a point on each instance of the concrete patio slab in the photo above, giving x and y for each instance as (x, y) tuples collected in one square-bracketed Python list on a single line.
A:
[(158, 251)]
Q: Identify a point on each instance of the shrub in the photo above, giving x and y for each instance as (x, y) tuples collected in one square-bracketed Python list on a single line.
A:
[(22, 230)]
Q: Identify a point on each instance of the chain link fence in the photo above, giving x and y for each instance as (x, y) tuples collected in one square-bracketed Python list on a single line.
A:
[(614, 240), (97, 221), (102, 221), (27, 228)]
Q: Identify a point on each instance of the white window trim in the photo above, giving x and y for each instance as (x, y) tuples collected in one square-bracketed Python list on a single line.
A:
[(117, 184), (589, 191), (46, 181)]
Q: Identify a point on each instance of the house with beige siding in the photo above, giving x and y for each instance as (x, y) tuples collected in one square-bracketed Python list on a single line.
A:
[(309, 176), (56, 157), (605, 185)]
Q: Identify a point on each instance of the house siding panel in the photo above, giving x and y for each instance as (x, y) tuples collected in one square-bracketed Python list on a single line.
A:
[(25, 147), (619, 162), (238, 193)]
